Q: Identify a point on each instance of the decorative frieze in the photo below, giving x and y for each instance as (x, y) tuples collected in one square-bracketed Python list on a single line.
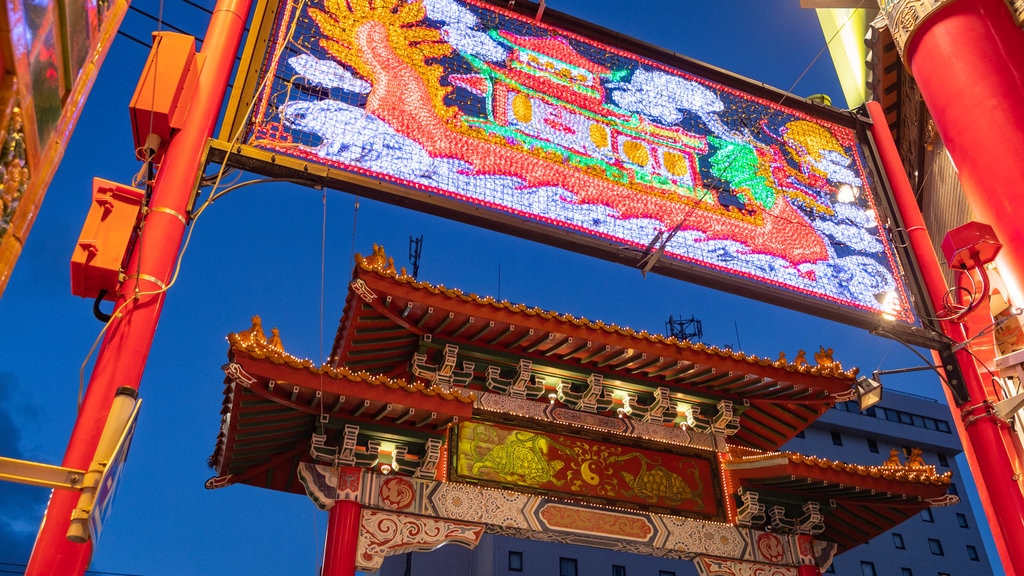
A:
[(628, 427)]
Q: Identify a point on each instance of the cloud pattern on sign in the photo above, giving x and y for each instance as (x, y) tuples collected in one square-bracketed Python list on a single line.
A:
[(351, 135)]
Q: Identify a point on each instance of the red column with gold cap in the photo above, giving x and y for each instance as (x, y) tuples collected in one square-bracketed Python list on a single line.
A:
[(967, 57), (122, 357), (342, 538)]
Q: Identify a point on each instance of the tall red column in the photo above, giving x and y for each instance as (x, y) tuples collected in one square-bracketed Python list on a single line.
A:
[(122, 357), (342, 538), (967, 57), (984, 441)]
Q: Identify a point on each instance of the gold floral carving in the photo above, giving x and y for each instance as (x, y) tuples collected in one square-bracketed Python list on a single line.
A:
[(905, 16)]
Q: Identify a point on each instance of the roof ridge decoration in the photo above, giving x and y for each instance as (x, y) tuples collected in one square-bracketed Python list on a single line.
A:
[(255, 343), (918, 472), (379, 263)]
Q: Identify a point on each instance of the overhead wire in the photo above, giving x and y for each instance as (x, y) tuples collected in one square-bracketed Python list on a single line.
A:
[(664, 237)]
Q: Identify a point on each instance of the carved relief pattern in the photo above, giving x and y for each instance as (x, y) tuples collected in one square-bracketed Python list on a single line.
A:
[(913, 116), (771, 547), (515, 406), (725, 567), (238, 375), (583, 419), (386, 533), (534, 517), (904, 16), (575, 519), (397, 493), (320, 482), (706, 537), (481, 505), (14, 173)]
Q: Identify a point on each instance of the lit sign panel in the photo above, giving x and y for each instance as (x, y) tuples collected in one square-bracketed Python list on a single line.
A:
[(477, 105), (52, 52), (548, 462)]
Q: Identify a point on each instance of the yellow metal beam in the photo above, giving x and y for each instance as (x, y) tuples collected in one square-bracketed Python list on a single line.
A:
[(38, 474)]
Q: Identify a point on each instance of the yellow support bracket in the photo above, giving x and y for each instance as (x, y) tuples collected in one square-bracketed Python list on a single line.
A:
[(39, 474)]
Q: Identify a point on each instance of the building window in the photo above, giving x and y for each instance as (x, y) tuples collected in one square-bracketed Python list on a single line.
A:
[(961, 520), (926, 515), (567, 567), (867, 569), (515, 561), (897, 541), (935, 546), (952, 489), (801, 434), (831, 569), (872, 446), (618, 570), (906, 572), (972, 553), (943, 460), (666, 573), (837, 439)]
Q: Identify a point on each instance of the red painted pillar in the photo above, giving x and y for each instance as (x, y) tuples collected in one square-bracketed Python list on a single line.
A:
[(967, 57), (342, 538), (984, 441), (129, 337), (808, 570)]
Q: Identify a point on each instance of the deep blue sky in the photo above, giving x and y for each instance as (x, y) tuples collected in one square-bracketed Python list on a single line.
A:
[(258, 251)]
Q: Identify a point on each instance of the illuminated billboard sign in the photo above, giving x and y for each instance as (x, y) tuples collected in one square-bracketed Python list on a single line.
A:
[(486, 109), (52, 51)]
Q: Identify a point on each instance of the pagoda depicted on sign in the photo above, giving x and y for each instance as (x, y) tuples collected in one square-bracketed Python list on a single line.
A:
[(440, 416), (547, 95)]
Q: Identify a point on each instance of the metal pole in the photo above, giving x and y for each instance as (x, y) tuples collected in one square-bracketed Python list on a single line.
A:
[(122, 357), (983, 442)]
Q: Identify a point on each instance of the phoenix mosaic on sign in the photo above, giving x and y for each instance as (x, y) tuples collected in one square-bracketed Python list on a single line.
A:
[(480, 105)]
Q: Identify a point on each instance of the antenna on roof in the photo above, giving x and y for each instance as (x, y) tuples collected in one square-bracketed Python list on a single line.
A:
[(415, 250), (684, 329)]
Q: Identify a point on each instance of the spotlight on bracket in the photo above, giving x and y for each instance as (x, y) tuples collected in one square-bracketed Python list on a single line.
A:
[(869, 392)]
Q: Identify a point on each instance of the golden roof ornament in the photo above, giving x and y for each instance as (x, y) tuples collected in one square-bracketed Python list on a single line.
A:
[(255, 333), (893, 459), (916, 460), (378, 261), (275, 340), (823, 357)]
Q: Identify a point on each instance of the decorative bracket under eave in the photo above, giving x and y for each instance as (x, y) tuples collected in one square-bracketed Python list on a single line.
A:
[(383, 533)]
